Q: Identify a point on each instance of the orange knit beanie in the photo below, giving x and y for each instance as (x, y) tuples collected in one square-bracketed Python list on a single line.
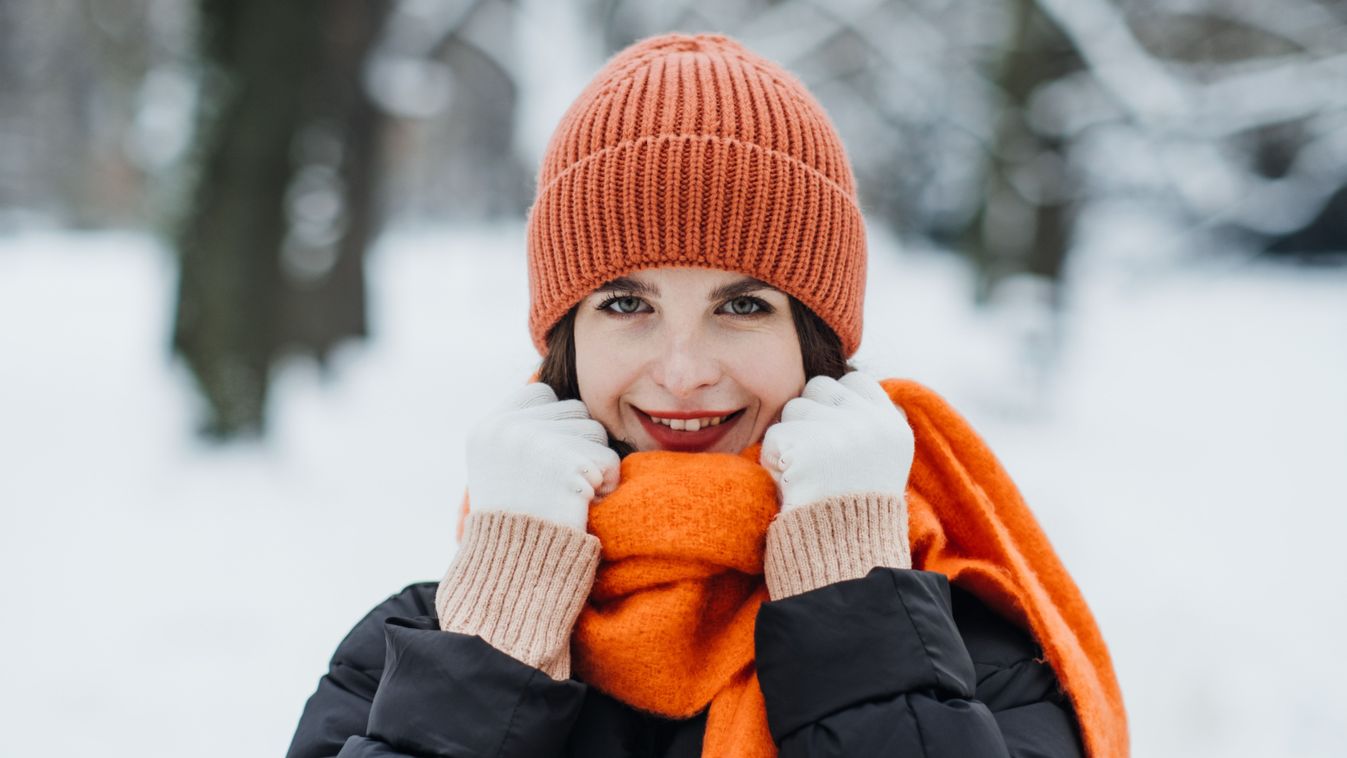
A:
[(690, 150)]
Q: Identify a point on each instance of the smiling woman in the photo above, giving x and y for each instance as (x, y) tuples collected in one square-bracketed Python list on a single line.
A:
[(753, 345), (701, 531)]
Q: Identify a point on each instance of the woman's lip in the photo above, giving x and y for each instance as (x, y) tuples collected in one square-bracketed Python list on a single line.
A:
[(685, 415), (684, 441)]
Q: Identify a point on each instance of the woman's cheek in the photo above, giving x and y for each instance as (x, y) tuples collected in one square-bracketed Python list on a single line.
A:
[(604, 376)]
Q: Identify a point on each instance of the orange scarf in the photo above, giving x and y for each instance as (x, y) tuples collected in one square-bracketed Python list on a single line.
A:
[(668, 626)]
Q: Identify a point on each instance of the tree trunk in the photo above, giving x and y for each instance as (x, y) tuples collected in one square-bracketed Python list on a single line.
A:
[(272, 247), (1023, 224)]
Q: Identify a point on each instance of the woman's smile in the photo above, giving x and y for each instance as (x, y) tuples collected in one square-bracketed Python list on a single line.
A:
[(688, 431)]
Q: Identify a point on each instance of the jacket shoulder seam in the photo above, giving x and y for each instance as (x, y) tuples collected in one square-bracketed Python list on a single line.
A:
[(348, 650), (930, 664)]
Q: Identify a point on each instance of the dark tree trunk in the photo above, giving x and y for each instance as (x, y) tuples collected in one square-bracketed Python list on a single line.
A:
[(1023, 224), (272, 247)]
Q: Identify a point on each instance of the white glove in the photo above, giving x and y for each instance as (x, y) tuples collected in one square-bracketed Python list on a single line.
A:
[(839, 436), (540, 456)]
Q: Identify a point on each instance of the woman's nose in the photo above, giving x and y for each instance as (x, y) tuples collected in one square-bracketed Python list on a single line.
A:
[(685, 364)]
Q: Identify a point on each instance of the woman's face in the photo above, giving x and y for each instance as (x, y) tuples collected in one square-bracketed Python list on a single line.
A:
[(691, 344)]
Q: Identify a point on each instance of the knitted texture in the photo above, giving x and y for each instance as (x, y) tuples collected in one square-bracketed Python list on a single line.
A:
[(690, 150), (518, 582), (668, 627), (833, 540)]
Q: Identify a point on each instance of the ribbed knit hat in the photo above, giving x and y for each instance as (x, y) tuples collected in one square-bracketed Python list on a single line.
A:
[(691, 150)]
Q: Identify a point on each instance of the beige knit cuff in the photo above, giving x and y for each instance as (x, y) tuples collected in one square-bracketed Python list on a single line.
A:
[(519, 583), (835, 539)]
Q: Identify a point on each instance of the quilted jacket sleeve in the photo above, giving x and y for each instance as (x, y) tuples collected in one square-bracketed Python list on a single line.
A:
[(858, 654), (877, 666), (399, 686), (484, 672)]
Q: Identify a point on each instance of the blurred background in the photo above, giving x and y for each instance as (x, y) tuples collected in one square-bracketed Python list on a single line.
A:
[(262, 265)]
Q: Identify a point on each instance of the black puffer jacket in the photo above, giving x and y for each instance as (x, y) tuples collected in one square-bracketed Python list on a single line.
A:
[(896, 663)]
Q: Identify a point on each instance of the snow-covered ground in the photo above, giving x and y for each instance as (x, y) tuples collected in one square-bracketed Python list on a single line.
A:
[(1188, 457)]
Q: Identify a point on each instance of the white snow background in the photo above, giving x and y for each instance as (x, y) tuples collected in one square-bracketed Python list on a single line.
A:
[(1187, 455)]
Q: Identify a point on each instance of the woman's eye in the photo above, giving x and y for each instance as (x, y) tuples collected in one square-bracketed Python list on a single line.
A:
[(622, 305), (746, 306)]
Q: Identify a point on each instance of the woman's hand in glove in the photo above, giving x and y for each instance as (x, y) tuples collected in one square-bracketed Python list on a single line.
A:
[(839, 436), (540, 456)]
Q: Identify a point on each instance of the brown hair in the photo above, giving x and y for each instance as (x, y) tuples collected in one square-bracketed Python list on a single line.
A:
[(820, 351)]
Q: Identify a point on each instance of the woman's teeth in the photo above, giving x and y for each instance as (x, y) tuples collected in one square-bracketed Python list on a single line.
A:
[(689, 425)]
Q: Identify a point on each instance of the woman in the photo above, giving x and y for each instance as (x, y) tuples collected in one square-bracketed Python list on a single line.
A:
[(701, 531)]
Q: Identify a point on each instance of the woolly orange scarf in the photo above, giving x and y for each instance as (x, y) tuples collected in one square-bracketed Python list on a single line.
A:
[(668, 626)]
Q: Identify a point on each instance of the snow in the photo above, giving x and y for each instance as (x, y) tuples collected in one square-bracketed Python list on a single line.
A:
[(1185, 450)]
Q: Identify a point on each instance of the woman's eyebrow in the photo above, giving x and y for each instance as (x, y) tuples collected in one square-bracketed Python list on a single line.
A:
[(723, 292), (741, 287), (628, 284)]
